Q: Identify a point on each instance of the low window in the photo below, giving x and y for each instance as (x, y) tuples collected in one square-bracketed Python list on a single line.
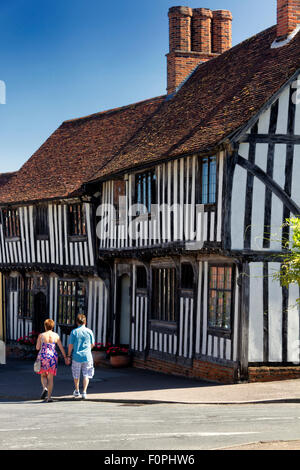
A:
[(71, 301), (187, 276), (77, 220), (220, 297), (29, 297), (164, 294), (11, 223), (16, 287), (141, 277), (41, 221)]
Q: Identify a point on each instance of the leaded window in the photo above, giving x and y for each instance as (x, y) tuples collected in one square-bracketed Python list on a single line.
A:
[(71, 301), (208, 167), (145, 190), (119, 197), (29, 297), (141, 277), (16, 288), (220, 297), (77, 220), (41, 221), (164, 294), (11, 223), (187, 276)]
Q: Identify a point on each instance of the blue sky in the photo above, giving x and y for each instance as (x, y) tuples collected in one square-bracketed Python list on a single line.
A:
[(62, 59)]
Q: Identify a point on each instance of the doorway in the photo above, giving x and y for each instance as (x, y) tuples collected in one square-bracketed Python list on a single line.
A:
[(124, 317), (40, 312)]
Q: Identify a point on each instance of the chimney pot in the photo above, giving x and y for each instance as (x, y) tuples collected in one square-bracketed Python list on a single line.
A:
[(192, 34), (180, 11), (202, 12), (222, 31), (288, 17), (201, 30), (224, 14), (180, 28)]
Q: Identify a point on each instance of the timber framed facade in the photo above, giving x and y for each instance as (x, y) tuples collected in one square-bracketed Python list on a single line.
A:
[(53, 274), (170, 234)]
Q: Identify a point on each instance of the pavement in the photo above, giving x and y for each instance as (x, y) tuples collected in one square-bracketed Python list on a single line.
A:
[(18, 382)]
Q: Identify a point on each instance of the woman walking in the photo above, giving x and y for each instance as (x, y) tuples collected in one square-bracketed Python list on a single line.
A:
[(46, 345)]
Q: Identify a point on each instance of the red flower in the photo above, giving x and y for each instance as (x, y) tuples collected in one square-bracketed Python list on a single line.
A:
[(117, 350)]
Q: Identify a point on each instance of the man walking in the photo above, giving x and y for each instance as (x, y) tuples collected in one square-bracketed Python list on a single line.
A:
[(80, 347)]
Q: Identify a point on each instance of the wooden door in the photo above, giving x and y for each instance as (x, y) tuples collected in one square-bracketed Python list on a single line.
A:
[(124, 310), (40, 312)]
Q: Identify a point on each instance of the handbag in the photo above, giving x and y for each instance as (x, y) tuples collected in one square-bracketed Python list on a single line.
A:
[(37, 365)]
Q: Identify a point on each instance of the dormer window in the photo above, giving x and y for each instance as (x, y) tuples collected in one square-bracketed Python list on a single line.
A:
[(11, 223), (77, 220)]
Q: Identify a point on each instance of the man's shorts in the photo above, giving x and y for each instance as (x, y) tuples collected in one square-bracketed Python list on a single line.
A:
[(87, 369)]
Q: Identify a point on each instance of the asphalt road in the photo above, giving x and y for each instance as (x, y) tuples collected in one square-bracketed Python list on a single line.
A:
[(70, 425)]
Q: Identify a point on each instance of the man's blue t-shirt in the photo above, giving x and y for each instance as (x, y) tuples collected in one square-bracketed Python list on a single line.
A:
[(82, 338)]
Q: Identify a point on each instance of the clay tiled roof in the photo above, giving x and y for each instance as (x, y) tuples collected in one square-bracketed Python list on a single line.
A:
[(75, 152), (220, 96), (5, 177)]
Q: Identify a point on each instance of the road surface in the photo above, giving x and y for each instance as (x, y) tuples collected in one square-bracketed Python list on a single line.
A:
[(68, 425)]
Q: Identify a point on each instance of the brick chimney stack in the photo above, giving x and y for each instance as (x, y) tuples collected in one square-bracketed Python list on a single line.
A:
[(202, 30), (196, 35), (288, 17), (222, 31)]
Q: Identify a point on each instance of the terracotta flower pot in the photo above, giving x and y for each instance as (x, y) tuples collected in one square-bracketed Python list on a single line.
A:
[(120, 361), (98, 357)]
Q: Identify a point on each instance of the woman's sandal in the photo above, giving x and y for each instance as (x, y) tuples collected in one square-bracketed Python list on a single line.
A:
[(44, 393)]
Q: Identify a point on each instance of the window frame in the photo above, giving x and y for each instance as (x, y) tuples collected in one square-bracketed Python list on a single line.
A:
[(183, 287), (159, 306), (119, 190), (11, 231), (15, 284), (146, 198), (65, 297), (80, 223), (214, 329), (210, 159), (45, 221), (29, 293), (141, 289)]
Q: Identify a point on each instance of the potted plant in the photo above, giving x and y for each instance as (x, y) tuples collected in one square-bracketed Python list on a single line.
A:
[(26, 344), (119, 356), (99, 352), (29, 340)]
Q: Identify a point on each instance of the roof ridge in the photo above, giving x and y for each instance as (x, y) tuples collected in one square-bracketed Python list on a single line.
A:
[(111, 111), (204, 64)]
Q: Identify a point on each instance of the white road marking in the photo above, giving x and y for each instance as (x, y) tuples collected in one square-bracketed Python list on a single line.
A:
[(19, 429), (132, 437)]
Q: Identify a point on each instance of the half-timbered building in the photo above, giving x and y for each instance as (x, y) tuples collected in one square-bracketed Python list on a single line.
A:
[(47, 227), (163, 220)]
